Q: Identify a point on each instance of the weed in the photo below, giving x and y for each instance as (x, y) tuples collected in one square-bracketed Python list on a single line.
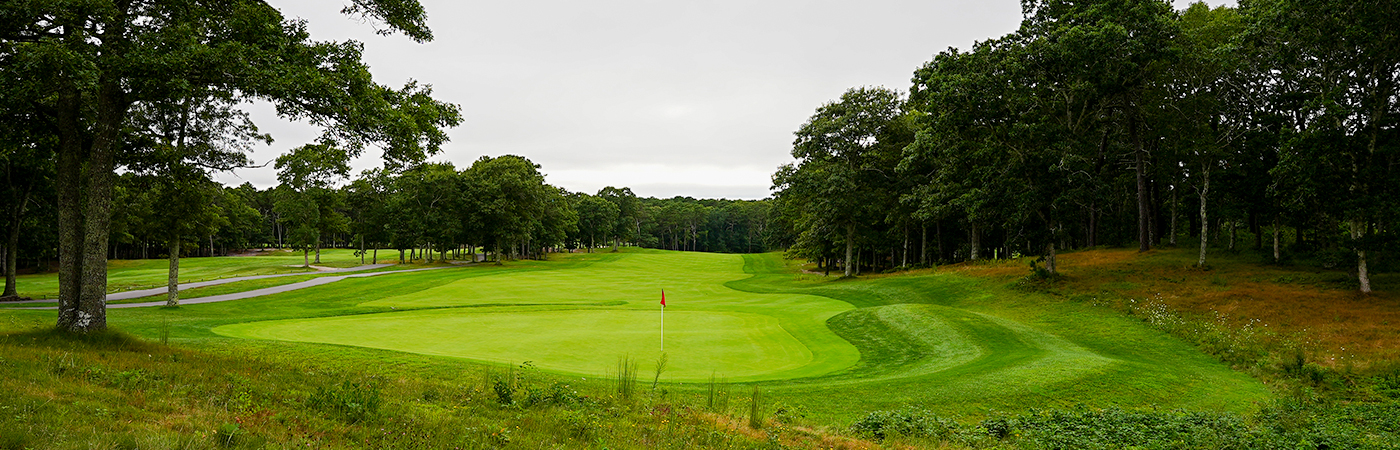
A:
[(756, 418), (505, 392), (626, 378), (717, 395), (228, 435), (164, 329), (660, 366)]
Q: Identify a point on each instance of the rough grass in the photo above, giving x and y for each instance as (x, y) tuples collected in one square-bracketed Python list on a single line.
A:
[(1280, 309)]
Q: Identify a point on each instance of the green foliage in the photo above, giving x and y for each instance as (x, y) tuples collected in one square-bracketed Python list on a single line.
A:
[(881, 425)]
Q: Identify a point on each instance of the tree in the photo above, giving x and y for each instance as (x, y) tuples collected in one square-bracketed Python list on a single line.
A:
[(184, 208), (1343, 59), (100, 59), (628, 213), (835, 176), (597, 217), (308, 203), (1093, 56)]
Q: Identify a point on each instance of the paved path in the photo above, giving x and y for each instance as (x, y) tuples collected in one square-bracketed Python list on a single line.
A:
[(237, 295)]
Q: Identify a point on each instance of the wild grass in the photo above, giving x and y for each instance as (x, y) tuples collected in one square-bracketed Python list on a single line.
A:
[(625, 378)]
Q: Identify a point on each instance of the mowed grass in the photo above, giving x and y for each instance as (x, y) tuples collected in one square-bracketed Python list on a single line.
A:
[(580, 320), (833, 349), (130, 274)]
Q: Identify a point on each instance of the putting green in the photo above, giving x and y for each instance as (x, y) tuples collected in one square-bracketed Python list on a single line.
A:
[(582, 319), (738, 345)]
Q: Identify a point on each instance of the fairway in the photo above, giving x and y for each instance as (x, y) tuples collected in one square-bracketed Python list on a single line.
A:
[(834, 347)]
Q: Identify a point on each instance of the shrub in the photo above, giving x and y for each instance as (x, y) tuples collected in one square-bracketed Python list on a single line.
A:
[(915, 423), (505, 393)]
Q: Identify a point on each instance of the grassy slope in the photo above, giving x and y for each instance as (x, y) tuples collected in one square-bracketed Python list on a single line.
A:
[(1021, 349)]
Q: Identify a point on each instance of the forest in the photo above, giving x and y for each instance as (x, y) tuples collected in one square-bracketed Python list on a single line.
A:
[(1117, 124)]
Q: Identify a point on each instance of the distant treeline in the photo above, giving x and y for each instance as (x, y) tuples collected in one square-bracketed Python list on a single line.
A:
[(1117, 123), (497, 205)]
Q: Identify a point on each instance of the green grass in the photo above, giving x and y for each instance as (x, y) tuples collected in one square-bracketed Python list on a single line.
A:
[(606, 305), (823, 351), (835, 348), (131, 274)]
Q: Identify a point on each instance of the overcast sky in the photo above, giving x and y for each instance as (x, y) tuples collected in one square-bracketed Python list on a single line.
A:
[(669, 98)]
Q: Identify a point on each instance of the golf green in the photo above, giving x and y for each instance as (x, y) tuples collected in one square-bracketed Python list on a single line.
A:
[(581, 320)]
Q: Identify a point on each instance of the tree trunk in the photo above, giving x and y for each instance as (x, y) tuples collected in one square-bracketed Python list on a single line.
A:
[(1050, 265), (938, 229), (11, 261), (1205, 223), (376, 255), (69, 183), (318, 248), (1172, 240), (172, 284), (976, 245), (400, 256), (905, 263), (1093, 233), (305, 259), (1233, 226), (850, 248), (11, 248), (923, 244), (362, 250), (1144, 244), (1276, 252), (1363, 275), (97, 218)]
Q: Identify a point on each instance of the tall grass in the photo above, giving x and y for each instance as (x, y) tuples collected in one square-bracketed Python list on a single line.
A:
[(756, 418), (717, 395), (626, 378)]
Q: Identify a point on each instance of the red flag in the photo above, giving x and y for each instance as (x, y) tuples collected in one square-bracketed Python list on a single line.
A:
[(663, 297)]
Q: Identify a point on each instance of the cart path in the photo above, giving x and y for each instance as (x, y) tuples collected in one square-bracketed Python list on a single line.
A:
[(237, 295)]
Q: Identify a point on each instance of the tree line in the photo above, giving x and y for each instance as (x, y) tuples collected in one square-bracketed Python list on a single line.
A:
[(497, 208), (1119, 122)]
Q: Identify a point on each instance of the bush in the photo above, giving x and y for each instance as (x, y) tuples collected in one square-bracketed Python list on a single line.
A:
[(880, 425)]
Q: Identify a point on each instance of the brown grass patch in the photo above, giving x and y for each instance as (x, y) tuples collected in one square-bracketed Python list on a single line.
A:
[(1315, 311)]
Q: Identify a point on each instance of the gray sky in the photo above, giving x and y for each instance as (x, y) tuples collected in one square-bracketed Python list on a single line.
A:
[(669, 98)]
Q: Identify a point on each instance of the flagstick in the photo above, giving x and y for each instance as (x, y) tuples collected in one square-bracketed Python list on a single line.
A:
[(663, 328)]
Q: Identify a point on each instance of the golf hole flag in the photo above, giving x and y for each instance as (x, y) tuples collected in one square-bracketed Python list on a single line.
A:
[(663, 320)]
